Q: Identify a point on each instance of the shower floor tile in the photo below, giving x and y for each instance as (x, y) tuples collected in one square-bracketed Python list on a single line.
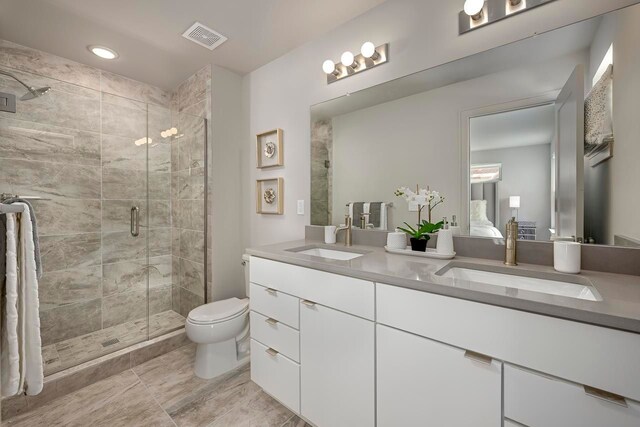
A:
[(75, 351)]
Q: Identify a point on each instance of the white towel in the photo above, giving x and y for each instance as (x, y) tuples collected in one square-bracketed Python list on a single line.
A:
[(10, 346), (21, 344)]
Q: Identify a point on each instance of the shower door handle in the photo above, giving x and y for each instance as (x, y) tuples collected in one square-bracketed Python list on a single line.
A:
[(135, 221)]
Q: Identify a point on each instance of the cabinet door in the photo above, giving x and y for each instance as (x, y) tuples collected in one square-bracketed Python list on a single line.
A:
[(336, 368), (426, 383)]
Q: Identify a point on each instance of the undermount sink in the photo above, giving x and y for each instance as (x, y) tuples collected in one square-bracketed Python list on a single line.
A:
[(328, 253), (546, 283)]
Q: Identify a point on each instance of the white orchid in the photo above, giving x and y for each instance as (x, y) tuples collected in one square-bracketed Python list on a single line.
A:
[(423, 198)]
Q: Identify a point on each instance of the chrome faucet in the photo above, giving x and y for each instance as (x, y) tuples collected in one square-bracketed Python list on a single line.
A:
[(347, 229), (510, 240)]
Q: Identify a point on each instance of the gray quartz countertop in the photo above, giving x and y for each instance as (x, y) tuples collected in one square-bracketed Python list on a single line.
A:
[(619, 308)]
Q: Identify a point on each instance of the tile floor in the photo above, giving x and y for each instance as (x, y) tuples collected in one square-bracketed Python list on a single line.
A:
[(75, 351), (164, 392)]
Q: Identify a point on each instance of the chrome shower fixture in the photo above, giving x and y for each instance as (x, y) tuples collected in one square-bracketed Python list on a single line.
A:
[(33, 92)]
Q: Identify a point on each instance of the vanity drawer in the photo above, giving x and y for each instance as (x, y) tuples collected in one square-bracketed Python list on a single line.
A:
[(540, 401), (353, 296), (276, 335), (275, 304), (585, 354), (276, 374)]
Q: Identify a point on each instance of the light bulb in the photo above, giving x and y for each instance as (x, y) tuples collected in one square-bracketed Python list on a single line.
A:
[(473, 8), (164, 134), (328, 66), (173, 131), (347, 59), (368, 50)]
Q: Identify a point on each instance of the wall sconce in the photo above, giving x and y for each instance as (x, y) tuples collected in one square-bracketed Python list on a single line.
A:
[(370, 56), (478, 13)]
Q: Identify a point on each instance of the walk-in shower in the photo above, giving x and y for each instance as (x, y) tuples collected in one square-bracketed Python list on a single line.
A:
[(91, 150)]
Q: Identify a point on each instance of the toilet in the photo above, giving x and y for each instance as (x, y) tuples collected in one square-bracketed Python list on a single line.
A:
[(221, 331)]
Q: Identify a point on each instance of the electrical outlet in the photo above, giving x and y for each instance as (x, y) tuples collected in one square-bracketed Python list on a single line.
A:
[(300, 207)]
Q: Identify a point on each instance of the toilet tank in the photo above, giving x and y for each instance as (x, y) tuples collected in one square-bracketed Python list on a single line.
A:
[(245, 264)]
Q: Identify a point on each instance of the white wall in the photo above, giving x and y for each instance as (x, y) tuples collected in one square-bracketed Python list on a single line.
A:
[(225, 204), (421, 33), (414, 140), (616, 210), (526, 172)]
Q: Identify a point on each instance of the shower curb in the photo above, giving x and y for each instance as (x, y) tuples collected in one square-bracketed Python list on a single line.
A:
[(72, 379)]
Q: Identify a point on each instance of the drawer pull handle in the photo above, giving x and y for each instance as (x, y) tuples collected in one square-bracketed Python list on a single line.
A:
[(271, 352), (478, 357), (271, 291), (605, 395), (271, 321), (308, 303)]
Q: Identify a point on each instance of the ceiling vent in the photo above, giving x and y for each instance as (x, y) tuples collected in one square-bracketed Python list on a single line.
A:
[(204, 36)]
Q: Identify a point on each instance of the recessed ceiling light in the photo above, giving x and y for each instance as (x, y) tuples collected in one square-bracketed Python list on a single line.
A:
[(103, 52)]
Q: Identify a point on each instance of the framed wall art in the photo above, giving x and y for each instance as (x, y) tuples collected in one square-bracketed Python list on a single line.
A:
[(269, 149), (270, 196)]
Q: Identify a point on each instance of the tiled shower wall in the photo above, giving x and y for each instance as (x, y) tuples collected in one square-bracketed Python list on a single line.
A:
[(191, 104), (75, 147), (321, 171)]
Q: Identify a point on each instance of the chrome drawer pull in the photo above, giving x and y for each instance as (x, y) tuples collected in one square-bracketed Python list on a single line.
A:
[(605, 395), (271, 321), (271, 352), (308, 303), (271, 291), (478, 357)]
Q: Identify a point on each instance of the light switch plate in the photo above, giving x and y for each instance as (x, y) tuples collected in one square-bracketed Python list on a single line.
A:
[(300, 207), (413, 206)]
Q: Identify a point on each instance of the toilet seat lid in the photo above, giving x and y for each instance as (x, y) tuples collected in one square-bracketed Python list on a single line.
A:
[(218, 311)]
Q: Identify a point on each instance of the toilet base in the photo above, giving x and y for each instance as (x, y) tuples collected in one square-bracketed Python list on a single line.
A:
[(216, 359)]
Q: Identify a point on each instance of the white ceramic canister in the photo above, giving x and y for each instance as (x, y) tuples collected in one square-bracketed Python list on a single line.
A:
[(330, 234), (396, 240), (566, 257)]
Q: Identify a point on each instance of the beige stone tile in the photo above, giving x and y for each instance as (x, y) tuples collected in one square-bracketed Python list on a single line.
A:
[(128, 275), (120, 400), (192, 276), (152, 350), (159, 242), (220, 396), (70, 321), (159, 299), (27, 59), (189, 301), (296, 421), (34, 141), (194, 89), (123, 153), (71, 251), (122, 246), (49, 180), (122, 184), (67, 216), (122, 86), (260, 410), (192, 245), (65, 287), (159, 185), (124, 307)]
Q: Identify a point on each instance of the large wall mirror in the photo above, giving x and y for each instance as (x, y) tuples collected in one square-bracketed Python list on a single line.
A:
[(546, 130)]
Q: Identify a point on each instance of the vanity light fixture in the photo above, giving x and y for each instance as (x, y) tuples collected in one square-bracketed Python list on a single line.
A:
[(478, 13), (348, 60), (368, 50), (474, 9), (103, 52), (370, 56)]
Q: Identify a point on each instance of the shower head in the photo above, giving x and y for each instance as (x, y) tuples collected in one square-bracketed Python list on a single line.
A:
[(33, 92)]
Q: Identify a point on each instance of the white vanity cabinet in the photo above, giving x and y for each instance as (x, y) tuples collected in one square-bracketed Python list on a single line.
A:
[(337, 383), (313, 342), (424, 382)]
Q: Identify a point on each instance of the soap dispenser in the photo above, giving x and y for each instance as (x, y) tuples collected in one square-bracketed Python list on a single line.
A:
[(444, 245), (455, 229)]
